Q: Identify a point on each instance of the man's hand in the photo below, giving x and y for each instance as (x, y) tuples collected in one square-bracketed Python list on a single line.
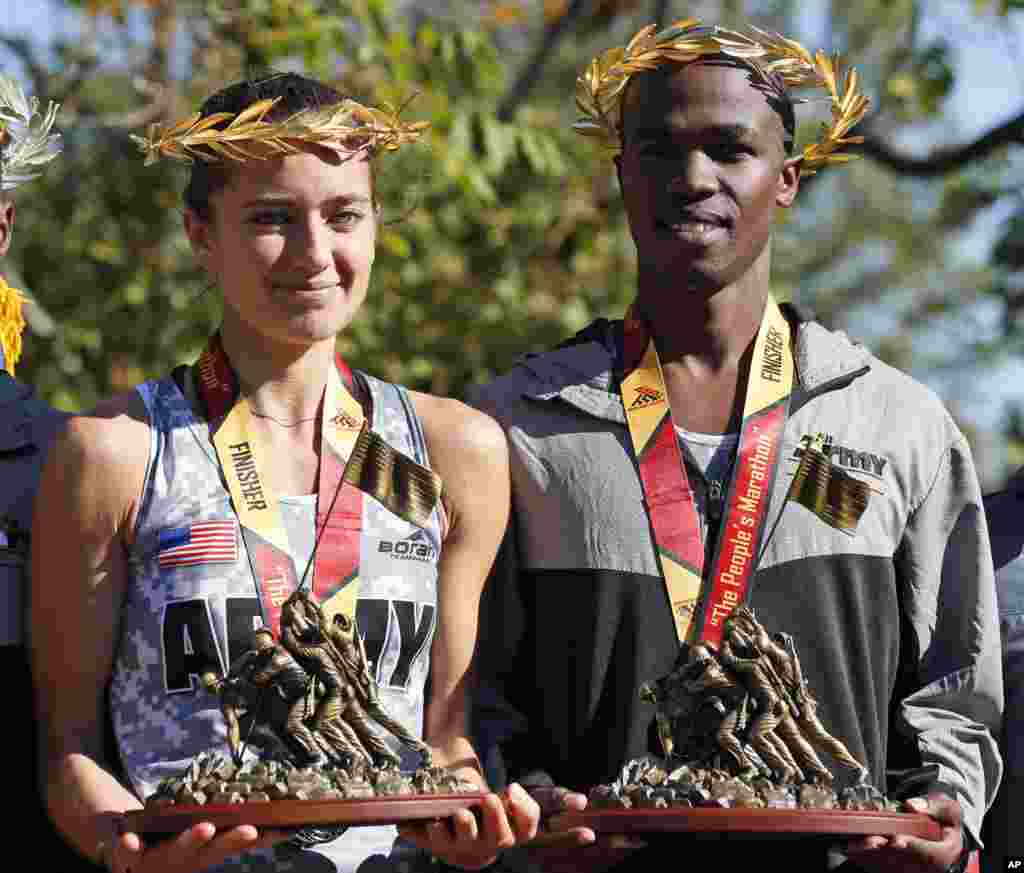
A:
[(901, 852), (473, 841), (563, 848)]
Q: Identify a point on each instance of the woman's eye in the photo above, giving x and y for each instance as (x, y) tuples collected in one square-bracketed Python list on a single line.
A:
[(270, 217)]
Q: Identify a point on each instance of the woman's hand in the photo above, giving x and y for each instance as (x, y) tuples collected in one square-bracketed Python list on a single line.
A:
[(200, 847)]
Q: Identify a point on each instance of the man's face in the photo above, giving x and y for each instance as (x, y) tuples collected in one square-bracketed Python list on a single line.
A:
[(703, 170)]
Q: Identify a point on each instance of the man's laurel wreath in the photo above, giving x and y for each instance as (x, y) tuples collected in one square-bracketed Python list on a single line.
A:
[(600, 88)]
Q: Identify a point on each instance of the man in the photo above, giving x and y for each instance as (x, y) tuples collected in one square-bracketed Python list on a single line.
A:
[(27, 426), (621, 548), (1005, 513)]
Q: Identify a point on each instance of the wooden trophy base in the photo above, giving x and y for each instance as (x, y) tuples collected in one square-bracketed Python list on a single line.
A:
[(284, 814), (792, 823)]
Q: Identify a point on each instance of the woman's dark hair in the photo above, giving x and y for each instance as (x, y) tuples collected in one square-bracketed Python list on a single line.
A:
[(294, 93)]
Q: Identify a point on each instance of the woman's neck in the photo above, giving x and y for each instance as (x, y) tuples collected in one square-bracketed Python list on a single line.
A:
[(283, 382)]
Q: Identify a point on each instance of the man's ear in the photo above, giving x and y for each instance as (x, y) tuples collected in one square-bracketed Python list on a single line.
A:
[(789, 182), (6, 225)]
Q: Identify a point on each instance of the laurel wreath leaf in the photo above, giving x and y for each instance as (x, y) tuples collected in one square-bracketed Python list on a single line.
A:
[(26, 141), (248, 136), (600, 87)]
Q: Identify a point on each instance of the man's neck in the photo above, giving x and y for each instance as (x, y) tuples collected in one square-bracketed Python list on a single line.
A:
[(706, 334), (705, 343), (704, 330)]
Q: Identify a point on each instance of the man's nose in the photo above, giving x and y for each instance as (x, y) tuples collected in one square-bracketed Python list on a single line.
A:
[(694, 175)]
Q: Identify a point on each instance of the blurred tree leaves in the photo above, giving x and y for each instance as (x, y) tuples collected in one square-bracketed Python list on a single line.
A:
[(505, 233)]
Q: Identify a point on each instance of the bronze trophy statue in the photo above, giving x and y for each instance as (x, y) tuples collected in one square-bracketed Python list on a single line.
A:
[(304, 723), (738, 725)]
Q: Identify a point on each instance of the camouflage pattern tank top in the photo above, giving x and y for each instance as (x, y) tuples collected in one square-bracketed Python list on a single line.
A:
[(190, 607)]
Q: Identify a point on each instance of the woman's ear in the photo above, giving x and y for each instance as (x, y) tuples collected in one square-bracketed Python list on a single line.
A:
[(198, 232)]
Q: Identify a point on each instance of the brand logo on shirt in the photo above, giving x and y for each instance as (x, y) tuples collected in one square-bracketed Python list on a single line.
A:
[(646, 397), (848, 458), (416, 547)]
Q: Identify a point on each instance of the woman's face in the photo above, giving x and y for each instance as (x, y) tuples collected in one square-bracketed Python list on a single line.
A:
[(290, 241)]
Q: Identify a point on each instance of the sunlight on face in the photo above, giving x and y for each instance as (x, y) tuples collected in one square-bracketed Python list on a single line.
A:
[(703, 171), (290, 243)]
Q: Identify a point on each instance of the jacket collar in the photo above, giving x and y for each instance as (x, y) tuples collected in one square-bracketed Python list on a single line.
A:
[(18, 406), (581, 373)]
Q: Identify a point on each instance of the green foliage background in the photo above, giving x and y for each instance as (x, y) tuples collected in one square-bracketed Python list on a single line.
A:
[(505, 232)]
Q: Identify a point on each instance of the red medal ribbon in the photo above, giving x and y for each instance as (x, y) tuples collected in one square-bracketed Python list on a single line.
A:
[(243, 459), (669, 499)]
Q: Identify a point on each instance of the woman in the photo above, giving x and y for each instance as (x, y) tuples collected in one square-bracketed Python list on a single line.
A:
[(188, 509)]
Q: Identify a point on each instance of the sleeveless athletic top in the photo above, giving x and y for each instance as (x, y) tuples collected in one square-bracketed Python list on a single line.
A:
[(190, 606)]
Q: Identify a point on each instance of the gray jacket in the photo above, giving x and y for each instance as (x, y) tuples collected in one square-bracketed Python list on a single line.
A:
[(896, 623)]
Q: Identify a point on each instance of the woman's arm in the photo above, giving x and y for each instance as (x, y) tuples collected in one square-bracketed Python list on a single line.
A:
[(468, 449), (85, 515), (86, 503)]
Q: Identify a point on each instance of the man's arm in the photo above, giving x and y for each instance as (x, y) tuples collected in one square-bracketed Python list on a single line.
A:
[(944, 568), (946, 564)]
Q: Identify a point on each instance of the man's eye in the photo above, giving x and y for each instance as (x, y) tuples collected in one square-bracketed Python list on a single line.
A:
[(726, 151), (346, 217), (658, 150)]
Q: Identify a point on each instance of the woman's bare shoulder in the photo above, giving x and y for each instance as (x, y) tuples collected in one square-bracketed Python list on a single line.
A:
[(453, 428), (112, 436)]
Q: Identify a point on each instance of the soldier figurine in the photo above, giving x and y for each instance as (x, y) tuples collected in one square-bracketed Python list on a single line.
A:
[(773, 703), (808, 731), (302, 634), (349, 644)]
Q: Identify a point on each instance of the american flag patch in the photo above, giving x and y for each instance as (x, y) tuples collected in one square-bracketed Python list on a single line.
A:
[(205, 542)]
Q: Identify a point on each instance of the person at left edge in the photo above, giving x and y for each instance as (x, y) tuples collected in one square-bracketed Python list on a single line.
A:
[(27, 426), (285, 223)]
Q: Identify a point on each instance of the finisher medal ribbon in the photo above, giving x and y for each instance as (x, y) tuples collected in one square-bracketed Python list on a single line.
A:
[(243, 461), (669, 499)]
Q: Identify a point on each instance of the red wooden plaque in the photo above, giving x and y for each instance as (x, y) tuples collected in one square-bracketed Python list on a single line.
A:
[(778, 822), (299, 813)]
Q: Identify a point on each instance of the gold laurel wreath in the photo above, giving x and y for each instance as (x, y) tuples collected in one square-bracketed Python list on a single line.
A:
[(12, 323), (600, 88), (26, 143), (348, 124)]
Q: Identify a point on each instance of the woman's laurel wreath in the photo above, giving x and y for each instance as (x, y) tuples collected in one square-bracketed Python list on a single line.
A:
[(248, 136)]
